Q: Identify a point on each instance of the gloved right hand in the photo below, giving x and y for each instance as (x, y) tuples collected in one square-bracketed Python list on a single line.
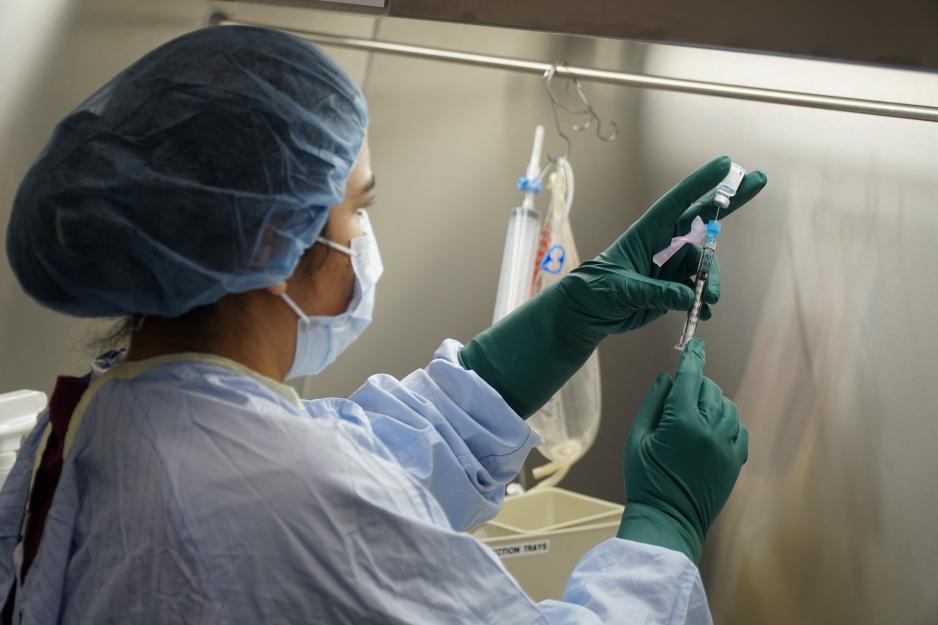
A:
[(684, 453), (531, 353)]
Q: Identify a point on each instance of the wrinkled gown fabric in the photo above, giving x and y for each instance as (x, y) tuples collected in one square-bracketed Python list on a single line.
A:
[(194, 491)]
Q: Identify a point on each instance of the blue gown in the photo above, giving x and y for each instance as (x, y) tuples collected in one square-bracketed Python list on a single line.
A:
[(195, 491)]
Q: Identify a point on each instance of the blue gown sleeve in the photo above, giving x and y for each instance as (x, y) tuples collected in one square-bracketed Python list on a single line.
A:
[(621, 581), (328, 529), (451, 432), (375, 535), (456, 437)]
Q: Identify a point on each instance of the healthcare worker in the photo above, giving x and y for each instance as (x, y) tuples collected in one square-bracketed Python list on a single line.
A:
[(213, 193)]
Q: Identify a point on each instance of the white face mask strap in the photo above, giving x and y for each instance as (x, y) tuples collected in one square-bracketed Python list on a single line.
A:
[(299, 312), (337, 246)]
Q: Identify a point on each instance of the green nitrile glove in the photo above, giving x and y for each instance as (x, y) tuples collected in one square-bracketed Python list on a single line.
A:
[(684, 453), (531, 353)]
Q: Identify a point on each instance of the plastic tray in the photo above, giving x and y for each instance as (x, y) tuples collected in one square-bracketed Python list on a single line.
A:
[(542, 534)]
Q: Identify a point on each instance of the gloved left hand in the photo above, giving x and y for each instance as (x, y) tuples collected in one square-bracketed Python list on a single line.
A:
[(684, 453), (531, 353)]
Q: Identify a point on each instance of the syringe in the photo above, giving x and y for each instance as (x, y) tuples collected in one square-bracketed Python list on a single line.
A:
[(724, 191), (700, 282)]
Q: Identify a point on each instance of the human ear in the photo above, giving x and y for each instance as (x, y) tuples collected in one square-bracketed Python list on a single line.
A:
[(278, 289)]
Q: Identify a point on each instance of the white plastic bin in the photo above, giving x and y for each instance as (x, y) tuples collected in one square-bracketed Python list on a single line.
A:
[(540, 536), (18, 413)]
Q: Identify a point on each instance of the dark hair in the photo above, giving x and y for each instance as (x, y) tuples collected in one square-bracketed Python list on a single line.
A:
[(195, 325)]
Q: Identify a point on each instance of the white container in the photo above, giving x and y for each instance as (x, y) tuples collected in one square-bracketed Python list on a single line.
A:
[(18, 413), (541, 535)]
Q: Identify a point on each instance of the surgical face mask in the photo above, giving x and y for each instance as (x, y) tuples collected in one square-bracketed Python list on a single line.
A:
[(320, 340)]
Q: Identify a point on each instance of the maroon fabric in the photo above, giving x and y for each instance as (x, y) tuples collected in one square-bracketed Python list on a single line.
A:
[(65, 398)]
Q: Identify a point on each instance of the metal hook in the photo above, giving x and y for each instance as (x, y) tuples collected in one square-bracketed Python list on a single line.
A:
[(554, 103), (594, 116), (588, 110)]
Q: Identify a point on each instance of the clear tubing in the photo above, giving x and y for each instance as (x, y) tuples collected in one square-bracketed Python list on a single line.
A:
[(700, 282), (515, 280)]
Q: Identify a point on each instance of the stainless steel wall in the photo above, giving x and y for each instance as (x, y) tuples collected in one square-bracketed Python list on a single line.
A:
[(823, 336), (826, 339)]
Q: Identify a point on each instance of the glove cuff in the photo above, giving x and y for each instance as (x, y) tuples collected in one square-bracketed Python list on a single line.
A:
[(530, 354), (645, 524)]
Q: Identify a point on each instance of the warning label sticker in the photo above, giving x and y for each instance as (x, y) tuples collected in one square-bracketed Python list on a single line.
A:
[(523, 549)]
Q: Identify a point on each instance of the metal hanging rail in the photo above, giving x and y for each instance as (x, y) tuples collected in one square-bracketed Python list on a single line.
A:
[(627, 79)]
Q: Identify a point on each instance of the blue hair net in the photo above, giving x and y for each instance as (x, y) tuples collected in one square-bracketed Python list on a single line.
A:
[(207, 167)]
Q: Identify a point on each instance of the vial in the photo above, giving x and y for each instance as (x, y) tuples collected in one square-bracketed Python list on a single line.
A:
[(729, 186)]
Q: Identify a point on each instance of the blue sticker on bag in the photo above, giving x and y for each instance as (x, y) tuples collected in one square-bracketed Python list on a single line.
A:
[(554, 259)]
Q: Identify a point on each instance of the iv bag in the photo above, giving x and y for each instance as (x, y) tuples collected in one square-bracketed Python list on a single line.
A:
[(568, 422)]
